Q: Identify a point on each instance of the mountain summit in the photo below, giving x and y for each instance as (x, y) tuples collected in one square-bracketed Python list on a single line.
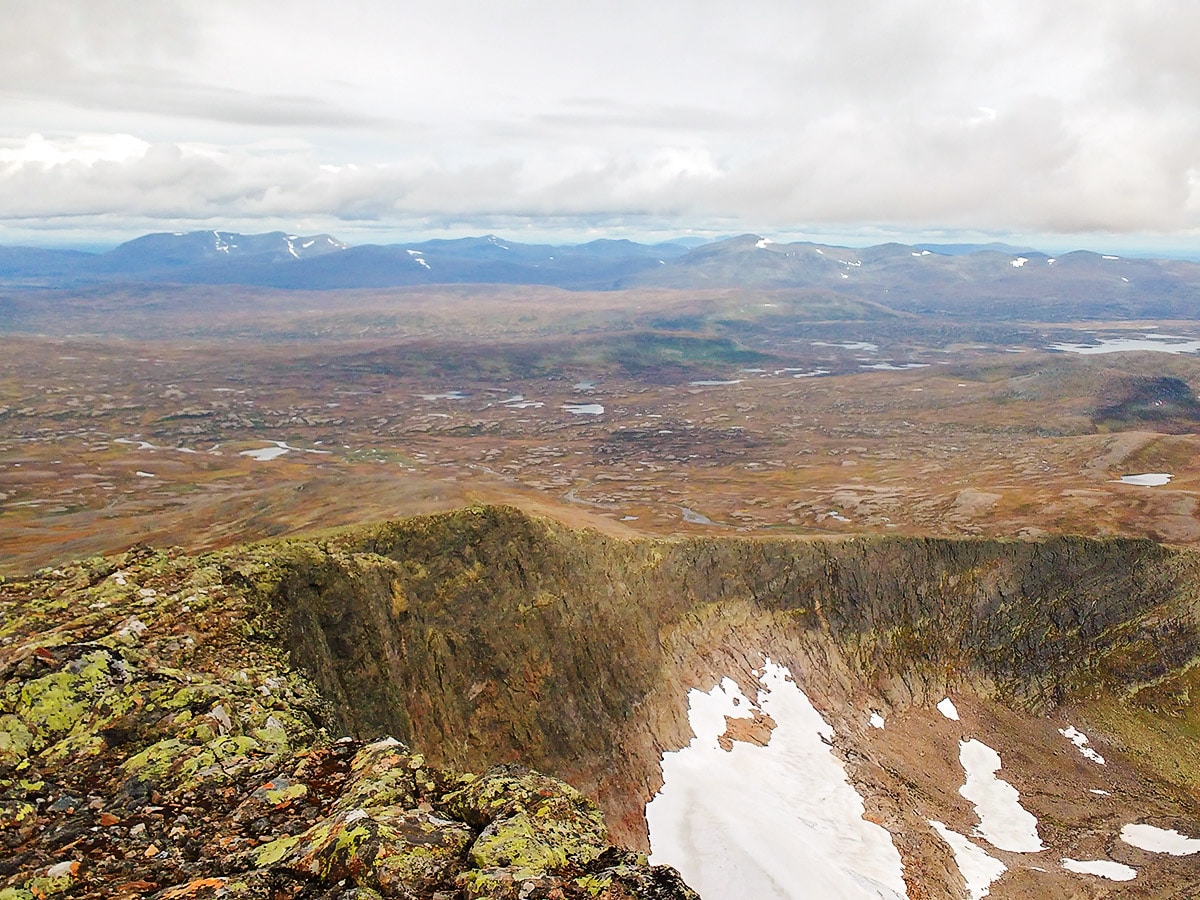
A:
[(165, 251)]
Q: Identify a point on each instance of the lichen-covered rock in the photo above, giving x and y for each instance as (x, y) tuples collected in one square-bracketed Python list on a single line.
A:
[(530, 823), (155, 741), (614, 875), (389, 849), (623, 874)]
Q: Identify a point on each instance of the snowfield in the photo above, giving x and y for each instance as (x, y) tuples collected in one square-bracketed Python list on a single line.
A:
[(747, 822)]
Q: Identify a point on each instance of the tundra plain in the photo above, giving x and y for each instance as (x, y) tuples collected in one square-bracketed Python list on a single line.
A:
[(200, 416)]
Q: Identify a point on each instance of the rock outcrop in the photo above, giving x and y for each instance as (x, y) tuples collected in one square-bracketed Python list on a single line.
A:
[(154, 741)]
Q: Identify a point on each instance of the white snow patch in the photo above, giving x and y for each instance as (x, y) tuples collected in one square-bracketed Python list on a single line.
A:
[(1104, 868), (1160, 840), (889, 367), (1080, 740), (1019, 261), (141, 445), (977, 867), (876, 720), (1098, 792), (265, 454), (448, 395), (1110, 257), (743, 823), (714, 383), (947, 708), (763, 242), (865, 346), (144, 474), (1152, 343), (690, 515), (584, 409), (1002, 820), (518, 401), (1149, 479)]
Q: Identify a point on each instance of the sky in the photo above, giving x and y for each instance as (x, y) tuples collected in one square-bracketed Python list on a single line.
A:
[(1066, 124)]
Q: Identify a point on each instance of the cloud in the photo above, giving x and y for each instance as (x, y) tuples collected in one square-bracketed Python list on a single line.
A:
[(1026, 169), (115, 56), (1082, 115)]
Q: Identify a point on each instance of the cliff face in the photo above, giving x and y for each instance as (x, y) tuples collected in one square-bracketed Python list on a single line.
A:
[(485, 637)]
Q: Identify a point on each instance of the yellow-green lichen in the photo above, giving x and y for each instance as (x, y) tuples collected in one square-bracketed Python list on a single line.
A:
[(16, 814), (594, 885), (544, 840), (282, 796), (15, 740), (271, 853), (157, 759)]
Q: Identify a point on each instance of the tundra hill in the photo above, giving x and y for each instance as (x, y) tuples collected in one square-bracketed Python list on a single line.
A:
[(170, 723), (987, 283)]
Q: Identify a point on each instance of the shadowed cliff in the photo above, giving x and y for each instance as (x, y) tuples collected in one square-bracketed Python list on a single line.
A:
[(484, 635)]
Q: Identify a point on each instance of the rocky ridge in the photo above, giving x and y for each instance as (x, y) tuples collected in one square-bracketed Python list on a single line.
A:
[(154, 741), (200, 698)]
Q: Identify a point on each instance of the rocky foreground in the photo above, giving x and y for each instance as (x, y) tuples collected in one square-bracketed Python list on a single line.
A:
[(155, 741), (173, 726)]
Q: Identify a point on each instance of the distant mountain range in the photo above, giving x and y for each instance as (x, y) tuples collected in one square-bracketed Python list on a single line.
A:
[(941, 279), (320, 261)]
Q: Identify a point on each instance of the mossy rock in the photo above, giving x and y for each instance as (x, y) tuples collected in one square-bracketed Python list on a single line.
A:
[(552, 837), (391, 849), (385, 774), (531, 824)]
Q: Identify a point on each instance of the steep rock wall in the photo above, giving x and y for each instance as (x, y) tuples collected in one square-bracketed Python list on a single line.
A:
[(485, 636)]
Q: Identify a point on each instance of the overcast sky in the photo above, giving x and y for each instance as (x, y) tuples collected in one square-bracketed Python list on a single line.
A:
[(1075, 121)]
